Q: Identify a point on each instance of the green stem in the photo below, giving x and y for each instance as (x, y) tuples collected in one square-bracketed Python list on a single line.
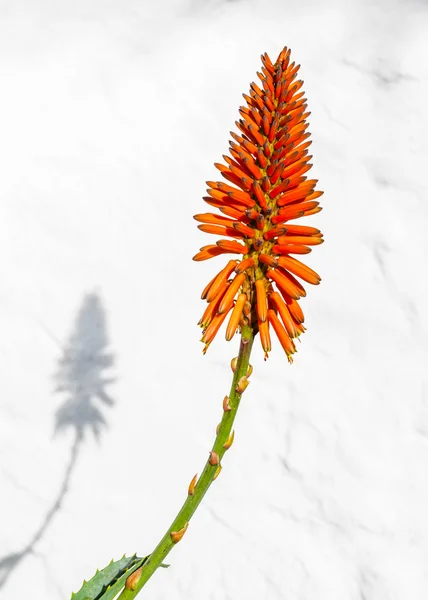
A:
[(193, 500)]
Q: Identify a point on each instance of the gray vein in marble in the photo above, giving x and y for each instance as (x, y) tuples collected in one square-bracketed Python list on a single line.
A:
[(382, 75)]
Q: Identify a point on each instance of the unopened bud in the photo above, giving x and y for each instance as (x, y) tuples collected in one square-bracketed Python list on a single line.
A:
[(177, 535), (133, 579), (242, 385), (233, 363), (226, 405), (214, 458), (227, 444), (249, 370), (192, 484)]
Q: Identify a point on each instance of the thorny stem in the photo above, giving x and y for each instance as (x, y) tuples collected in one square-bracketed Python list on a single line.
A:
[(193, 500)]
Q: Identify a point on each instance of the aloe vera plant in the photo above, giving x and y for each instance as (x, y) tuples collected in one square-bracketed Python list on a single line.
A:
[(267, 189)]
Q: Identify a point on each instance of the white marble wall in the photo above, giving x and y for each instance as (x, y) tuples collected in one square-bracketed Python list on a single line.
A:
[(111, 117)]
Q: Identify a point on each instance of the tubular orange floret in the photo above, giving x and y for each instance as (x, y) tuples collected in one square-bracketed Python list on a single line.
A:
[(212, 307), (244, 230), (265, 336), (314, 211), (244, 265), (274, 233), (283, 283), (221, 230), (293, 212), (290, 249), (213, 328), (301, 192), (235, 316), (261, 300), (268, 260), (208, 253), (299, 269), (299, 287), (229, 246), (303, 230), (295, 310), (207, 287), (282, 335), (279, 304), (230, 211), (220, 280), (214, 219), (300, 239), (227, 300), (267, 187)]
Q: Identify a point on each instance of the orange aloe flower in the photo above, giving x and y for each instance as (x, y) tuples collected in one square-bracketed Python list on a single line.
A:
[(267, 189)]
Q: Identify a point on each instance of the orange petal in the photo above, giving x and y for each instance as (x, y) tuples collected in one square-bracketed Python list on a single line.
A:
[(253, 168), (315, 195), (290, 249), (214, 219), (284, 338), (291, 212), (207, 287), (314, 211), (213, 201), (279, 188), (232, 212), (286, 317), (299, 329), (294, 214), (261, 158), (268, 260), (213, 328), (302, 230), (235, 317), (295, 310), (211, 309), (244, 230), (273, 233), (242, 198), (220, 280), (256, 135), (258, 192), (300, 239), (293, 281), (221, 230), (261, 300), (233, 179), (297, 168), (232, 246), (265, 336), (206, 254), (303, 191), (244, 265), (227, 300), (299, 269), (284, 283)]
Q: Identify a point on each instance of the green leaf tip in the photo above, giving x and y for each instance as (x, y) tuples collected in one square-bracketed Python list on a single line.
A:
[(107, 582)]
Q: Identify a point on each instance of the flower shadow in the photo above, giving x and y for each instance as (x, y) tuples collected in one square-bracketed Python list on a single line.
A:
[(80, 376)]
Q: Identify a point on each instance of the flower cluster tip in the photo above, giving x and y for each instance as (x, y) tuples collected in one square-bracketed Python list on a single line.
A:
[(267, 190)]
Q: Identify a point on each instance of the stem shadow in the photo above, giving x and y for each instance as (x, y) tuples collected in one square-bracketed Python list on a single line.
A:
[(80, 377)]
